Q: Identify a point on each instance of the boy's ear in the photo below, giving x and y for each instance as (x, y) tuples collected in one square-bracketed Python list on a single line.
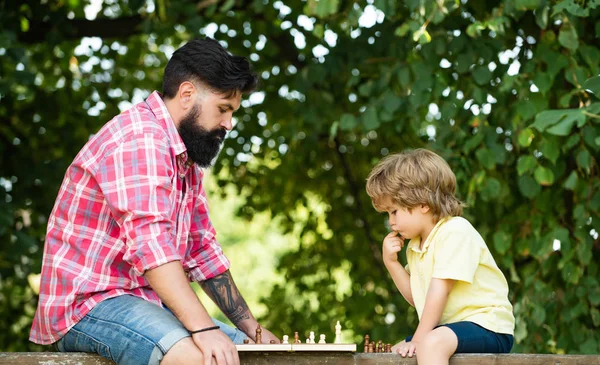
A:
[(424, 208)]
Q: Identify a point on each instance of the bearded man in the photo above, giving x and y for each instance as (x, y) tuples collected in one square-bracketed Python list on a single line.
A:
[(130, 227)]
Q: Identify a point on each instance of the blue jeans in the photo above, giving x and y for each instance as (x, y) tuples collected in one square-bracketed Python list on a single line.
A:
[(131, 331), (472, 338)]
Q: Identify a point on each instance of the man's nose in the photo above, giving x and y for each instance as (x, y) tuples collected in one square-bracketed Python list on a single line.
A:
[(227, 124)]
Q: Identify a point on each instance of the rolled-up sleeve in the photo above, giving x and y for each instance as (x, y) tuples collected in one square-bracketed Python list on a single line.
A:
[(206, 258), (136, 180)]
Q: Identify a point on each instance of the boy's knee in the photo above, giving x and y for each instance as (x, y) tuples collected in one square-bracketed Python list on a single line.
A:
[(431, 341), (183, 352), (442, 339)]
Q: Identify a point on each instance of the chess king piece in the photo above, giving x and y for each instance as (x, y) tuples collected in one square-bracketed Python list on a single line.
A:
[(296, 338), (322, 338), (258, 334), (367, 343), (311, 337), (286, 339), (338, 333)]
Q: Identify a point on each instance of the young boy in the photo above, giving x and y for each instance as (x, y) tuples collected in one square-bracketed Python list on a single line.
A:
[(460, 294)]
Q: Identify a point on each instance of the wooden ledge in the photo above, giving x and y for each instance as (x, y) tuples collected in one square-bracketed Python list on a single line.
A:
[(312, 358)]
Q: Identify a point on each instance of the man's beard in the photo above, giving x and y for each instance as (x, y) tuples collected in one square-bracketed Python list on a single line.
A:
[(202, 145)]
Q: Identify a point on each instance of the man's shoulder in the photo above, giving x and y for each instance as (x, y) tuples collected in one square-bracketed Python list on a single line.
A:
[(133, 124)]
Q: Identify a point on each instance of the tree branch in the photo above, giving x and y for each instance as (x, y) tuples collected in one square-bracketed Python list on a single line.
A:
[(71, 29)]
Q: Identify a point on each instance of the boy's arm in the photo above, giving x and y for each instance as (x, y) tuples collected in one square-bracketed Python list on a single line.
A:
[(392, 244), (436, 299), (401, 279)]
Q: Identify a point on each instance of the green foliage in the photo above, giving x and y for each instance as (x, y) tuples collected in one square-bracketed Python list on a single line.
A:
[(506, 91)]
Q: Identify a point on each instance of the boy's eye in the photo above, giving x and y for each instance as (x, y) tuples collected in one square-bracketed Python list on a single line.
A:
[(394, 212), (223, 111)]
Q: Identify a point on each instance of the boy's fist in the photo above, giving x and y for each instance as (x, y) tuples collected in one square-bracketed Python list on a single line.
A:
[(392, 244)]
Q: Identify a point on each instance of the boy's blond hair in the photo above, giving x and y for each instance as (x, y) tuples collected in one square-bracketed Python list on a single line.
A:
[(414, 178)]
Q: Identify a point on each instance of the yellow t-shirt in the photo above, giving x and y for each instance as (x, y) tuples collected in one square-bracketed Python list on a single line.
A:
[(455, 250)]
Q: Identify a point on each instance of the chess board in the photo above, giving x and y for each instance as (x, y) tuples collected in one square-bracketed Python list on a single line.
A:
[(298, 347)]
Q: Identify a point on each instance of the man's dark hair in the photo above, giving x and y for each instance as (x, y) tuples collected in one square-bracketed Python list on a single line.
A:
[(205, 60)]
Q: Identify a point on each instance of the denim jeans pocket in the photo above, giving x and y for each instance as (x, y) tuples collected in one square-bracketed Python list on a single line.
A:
[(75, 340)]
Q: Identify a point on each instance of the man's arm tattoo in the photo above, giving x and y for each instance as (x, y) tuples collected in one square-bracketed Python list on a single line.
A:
[(223, 291)]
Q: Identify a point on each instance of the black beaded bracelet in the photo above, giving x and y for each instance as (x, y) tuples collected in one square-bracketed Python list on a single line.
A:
[(205, 329)]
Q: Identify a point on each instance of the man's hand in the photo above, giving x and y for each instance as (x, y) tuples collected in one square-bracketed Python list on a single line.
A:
[(392, 244), (216, 345), (405, 348)]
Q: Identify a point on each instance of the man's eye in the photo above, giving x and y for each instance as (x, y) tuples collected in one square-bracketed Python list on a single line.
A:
[(222, 110)]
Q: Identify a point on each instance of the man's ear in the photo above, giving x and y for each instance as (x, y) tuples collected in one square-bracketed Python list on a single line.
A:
[(186, 93)]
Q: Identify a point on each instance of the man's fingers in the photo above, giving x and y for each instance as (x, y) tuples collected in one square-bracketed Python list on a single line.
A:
[(231, 356), (221, 358), (207, 357)]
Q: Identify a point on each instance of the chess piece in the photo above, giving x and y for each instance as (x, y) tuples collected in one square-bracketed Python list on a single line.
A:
[(296, 338), (371, 347), (388, 347), (311, 337), (322, 338), (258, 334), (338, 333), (246, 341), (272, 342), (380, 346), (286, 339), (366, 343)]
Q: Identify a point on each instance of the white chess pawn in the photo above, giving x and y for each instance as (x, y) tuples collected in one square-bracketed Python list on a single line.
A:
[(322, 338), (311, 337), (338, 333), (286, 339)]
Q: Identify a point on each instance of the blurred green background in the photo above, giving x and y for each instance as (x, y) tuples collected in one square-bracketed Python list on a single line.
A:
[(507, 91)]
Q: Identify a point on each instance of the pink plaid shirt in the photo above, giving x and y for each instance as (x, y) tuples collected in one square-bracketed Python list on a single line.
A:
[(129, 202)]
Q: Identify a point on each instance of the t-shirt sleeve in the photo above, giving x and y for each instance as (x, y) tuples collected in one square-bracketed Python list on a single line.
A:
[(456, 257)]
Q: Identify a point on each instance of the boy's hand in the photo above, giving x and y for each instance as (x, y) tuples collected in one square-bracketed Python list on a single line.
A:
[(405, 348), (392, 244)]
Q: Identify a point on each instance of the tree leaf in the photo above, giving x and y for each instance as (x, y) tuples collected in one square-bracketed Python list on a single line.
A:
[(482, 75), (369, 119), (584, 159), (593, 85), (544, 176), (525, 164), (568, 38), (528, 186), (571, 181), (486, 158), (347, 122), (502, 242), (527, 4), (526, 137), (548, 118)]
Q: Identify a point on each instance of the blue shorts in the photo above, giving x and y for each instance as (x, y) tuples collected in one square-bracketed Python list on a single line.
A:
[(131, 331), (472, 338)]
